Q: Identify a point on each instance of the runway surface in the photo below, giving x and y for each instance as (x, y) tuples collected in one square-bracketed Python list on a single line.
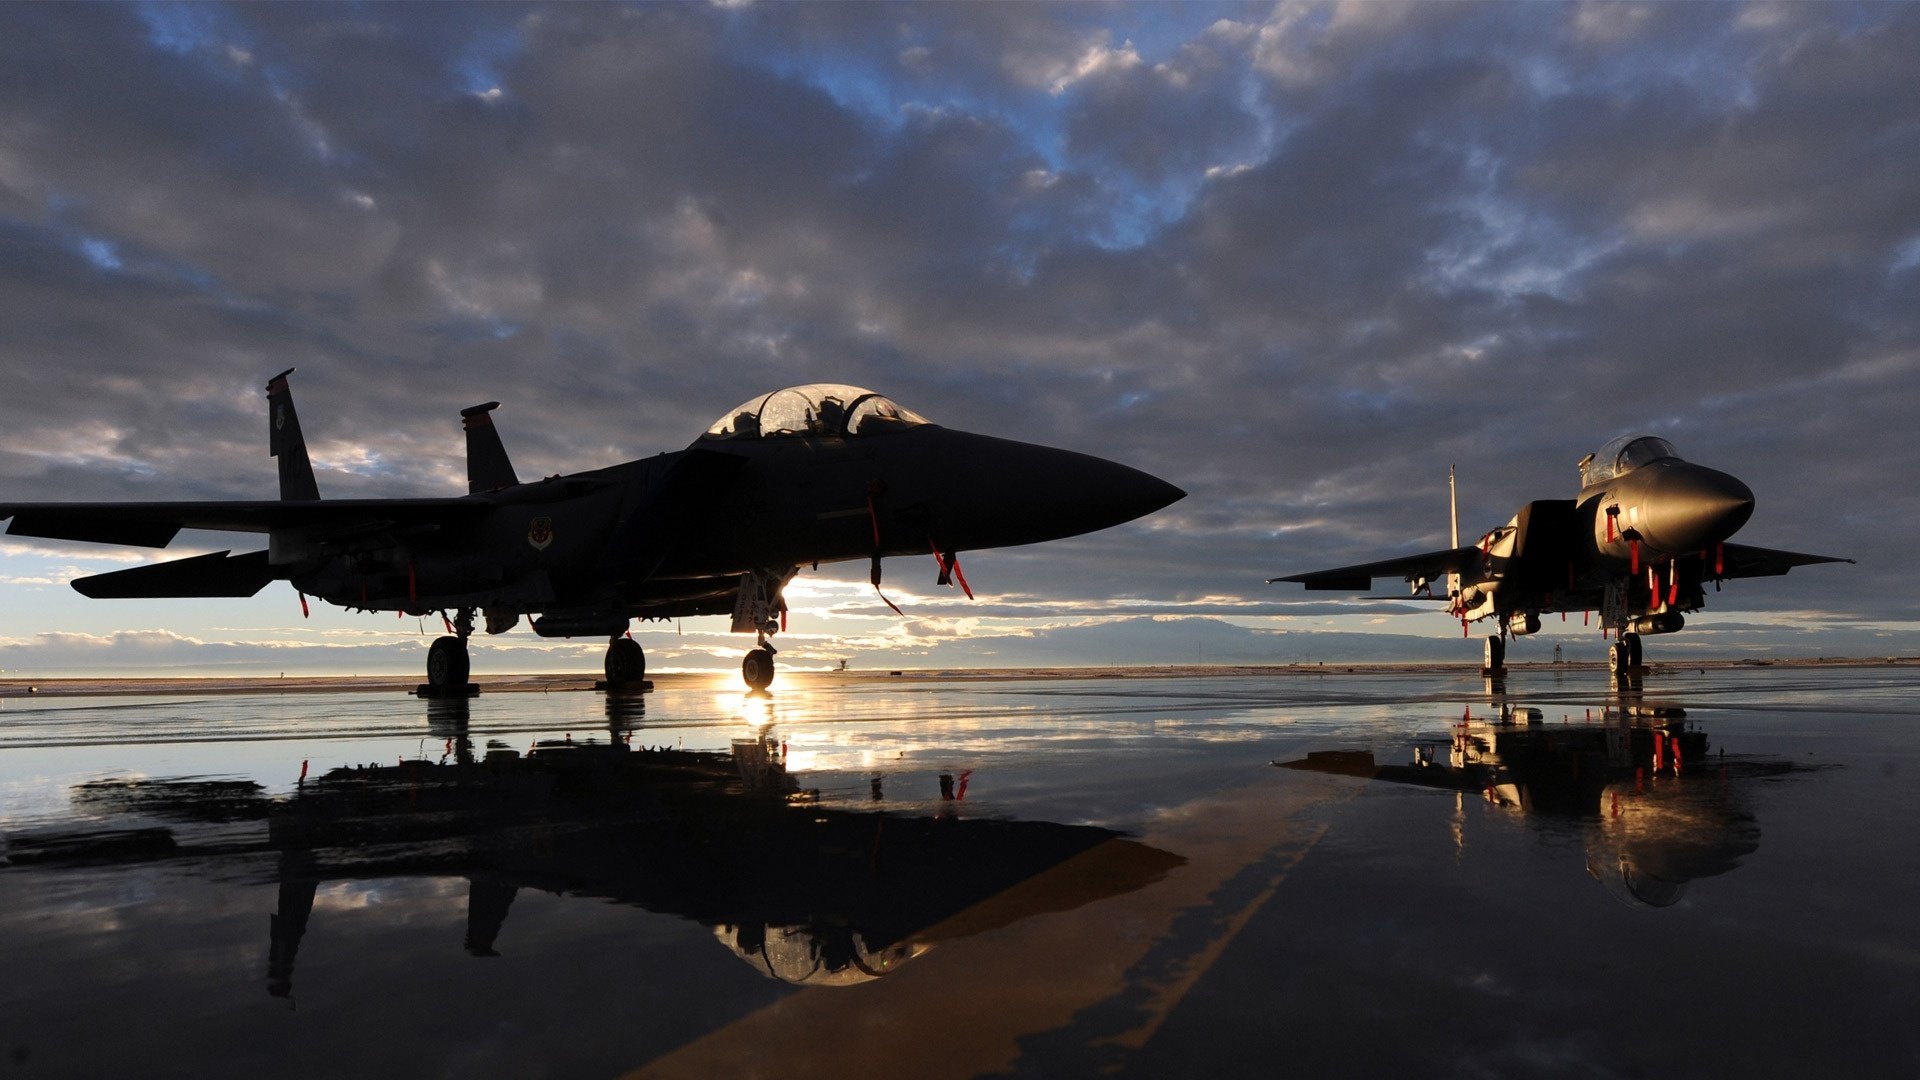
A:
[(1713, 874)]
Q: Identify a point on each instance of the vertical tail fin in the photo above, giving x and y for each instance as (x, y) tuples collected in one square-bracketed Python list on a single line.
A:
[(285, 442), (488, 468)]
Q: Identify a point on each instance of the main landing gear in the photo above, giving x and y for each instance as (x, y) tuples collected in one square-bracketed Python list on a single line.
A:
[(447, 662), (1495, 657), (1624, 656), (626, 664)]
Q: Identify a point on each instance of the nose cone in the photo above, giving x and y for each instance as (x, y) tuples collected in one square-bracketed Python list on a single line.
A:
[(1690, 507), (1106, 493), (999, 492)]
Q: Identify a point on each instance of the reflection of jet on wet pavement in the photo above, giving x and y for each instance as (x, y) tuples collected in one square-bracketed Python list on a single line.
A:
[(1656, 810), (805, 892)]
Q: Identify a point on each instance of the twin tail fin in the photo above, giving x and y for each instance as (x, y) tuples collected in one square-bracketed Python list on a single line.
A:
[(285, 442)]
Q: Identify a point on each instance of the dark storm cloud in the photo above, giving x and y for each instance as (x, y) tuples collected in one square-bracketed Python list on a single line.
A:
[(1296, 259)]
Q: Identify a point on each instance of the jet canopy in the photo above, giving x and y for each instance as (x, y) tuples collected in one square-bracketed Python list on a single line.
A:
[(1623, 455), (818, 409)]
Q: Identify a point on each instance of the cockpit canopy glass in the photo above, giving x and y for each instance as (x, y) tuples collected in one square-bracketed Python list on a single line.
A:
[(818, 409), (1623, 455)]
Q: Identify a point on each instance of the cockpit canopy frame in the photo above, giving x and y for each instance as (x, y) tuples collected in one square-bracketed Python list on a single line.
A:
[(1622, 455), (818, 410)]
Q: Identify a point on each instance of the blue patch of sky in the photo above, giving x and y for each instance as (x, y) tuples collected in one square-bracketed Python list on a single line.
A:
[(1906, 255), (184, 28), (100, 253), (1137, 213), (105, 254), (868, 86), (1159, 30), (485, 56), (206, 31), (145, 266)]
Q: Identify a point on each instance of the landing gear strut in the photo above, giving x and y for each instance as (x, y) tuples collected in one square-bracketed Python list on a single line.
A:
[(626, 663), (447, 663)]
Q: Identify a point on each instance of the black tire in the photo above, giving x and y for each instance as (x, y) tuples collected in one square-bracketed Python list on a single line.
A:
[(1634, 657), (447, 663), (757, 669), (626, 662), (1619, 657), (1496, 654)]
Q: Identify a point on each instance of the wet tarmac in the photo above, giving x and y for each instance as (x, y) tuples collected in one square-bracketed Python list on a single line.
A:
[(1714, 874)]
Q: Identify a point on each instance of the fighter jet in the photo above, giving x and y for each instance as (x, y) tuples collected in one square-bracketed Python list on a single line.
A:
[(1639, 544), (798, 477)]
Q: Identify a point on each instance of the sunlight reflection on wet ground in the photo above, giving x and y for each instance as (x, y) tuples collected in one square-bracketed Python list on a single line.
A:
[(970, 878)]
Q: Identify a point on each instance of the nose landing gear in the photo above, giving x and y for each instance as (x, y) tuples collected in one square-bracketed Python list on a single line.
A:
[(760, 608), (757, 668)]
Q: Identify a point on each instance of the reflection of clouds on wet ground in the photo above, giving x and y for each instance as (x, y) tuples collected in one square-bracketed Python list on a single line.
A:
[(1046, 876)]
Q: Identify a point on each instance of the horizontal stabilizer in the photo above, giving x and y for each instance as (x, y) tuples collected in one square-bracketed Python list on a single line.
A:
[(217, 574)]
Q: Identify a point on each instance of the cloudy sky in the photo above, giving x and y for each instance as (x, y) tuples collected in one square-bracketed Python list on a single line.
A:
[(1294, 258)]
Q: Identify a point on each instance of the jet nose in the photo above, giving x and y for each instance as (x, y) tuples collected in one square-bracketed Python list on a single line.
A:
[(1126, 493), (1694, 507), (1020, 493), (1078, 493)]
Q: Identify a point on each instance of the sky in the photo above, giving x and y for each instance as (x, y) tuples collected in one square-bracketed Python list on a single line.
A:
[(1295, 258)]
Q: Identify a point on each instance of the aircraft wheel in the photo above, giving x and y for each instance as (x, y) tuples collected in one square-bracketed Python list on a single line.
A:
[(1633, 649), (447, 663), (1496, 654), (626, 662), (1619, 656), (757, 669)]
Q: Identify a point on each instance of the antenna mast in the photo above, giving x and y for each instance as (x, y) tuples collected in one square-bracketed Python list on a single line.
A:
[(1453, 506), (1453, 515)]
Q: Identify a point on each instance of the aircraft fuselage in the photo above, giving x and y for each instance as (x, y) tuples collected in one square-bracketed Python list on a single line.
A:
[(646, 539)]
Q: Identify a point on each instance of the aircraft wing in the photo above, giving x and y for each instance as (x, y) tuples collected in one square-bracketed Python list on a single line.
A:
[(1433, 565), (1740, 560), (154, 524)]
